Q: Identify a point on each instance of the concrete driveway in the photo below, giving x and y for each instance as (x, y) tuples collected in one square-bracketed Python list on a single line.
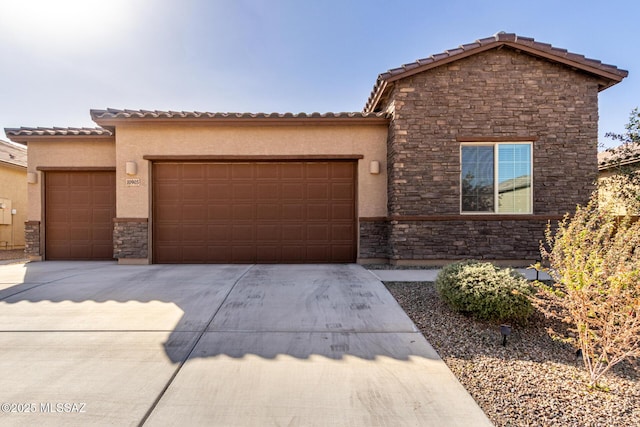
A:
[(94, 343)]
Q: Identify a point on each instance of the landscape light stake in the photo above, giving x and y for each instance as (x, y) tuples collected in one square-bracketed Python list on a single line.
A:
[(505, 330)]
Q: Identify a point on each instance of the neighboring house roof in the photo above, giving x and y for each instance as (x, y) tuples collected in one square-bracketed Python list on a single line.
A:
[(513, 184), (25, 134), (13, 155), (608, 74), (111, 116), (623, 155)]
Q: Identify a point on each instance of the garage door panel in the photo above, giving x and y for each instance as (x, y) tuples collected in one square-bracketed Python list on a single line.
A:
[(319, 191), (192, 212), (268, 211), (169, 172), (268, 171), (293, 232), (218, 254), (171, 212), (268, 232), (242, 233), (219, 212), (242, 171), (80, 198), (318, 233), (342, 171), (218, 233), (292, 171), (218, 171), (193, 172), (341, 232), (319, 171), (342, 212), (79, 180), (243, 191), (194, 191), (219, 191), (292, 212), (342, 191), (270, 191), (243, 253), (171, 192), (255, 212), (318, 212), (318, 253), (292, 191), (79, 212), (243, 212), (267, 254)]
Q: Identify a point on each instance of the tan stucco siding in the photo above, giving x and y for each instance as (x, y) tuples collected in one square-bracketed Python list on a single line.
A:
[(63, 154), (135, 141), (13, 187)]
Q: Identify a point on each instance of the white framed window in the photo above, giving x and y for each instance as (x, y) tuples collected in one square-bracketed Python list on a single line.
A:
[(496, 178)]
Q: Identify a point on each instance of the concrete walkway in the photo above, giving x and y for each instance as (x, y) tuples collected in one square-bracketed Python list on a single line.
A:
[(91, 343), (430, 275)]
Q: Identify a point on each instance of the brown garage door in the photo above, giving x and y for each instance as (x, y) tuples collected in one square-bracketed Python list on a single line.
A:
[(258, 212), (79, 212)]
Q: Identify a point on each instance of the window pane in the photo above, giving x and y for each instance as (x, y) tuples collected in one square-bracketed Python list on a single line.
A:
[(477, 179), (514, 178)]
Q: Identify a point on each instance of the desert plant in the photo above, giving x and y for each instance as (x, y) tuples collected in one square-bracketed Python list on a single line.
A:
[(594, 259), (485, 291)]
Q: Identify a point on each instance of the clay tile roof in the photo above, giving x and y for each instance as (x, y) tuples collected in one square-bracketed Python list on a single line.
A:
[(12, 154), (24, 134), (623, 155), (608, 74), (110, 115)]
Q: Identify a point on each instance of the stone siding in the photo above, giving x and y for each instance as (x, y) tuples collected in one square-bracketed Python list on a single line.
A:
[(131, 238), (460, 239), (374, 238), (32, 239), (494, 95)]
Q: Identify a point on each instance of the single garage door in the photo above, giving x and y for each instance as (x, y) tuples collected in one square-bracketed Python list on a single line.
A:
[(254, 212), (79, 212)]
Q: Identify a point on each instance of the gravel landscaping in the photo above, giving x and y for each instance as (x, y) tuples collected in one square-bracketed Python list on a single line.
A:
[(535, 380)]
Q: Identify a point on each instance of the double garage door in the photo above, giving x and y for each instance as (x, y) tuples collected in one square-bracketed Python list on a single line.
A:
[(254, 212)]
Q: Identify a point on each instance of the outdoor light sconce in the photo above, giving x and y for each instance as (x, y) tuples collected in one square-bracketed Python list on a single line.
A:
[(374, 167), (32, 177), (131, 168), (505, 330)]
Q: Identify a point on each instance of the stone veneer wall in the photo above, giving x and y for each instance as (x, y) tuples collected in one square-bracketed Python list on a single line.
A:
[(374, 238), (498, 94), (131, 238), (32, 238)]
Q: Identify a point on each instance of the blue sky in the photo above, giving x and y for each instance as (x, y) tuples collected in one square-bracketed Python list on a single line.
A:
[(62, 57)]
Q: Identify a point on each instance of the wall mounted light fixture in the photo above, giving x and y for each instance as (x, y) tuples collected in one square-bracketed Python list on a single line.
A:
[(131, 168), (32, 177), (374, 167)]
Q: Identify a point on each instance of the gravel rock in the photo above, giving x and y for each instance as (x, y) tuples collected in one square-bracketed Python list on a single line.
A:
[(535, 380)]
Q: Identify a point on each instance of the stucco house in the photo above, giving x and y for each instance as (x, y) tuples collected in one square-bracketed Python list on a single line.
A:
[(612, 164), (13, 195), (464, 154)]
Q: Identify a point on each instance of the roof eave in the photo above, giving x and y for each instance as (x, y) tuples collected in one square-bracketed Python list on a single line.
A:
[(231, 120), (606, 79)]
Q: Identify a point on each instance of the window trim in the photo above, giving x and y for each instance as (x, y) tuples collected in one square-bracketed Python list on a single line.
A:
[(496, 190)]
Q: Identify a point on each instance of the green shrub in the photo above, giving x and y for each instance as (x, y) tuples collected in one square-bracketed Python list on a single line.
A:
[(485, 291)]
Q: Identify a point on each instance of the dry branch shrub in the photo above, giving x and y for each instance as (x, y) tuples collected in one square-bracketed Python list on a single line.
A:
[(594, 259)]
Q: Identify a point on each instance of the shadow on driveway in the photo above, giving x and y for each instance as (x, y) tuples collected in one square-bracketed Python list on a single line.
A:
[(220, 345)]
